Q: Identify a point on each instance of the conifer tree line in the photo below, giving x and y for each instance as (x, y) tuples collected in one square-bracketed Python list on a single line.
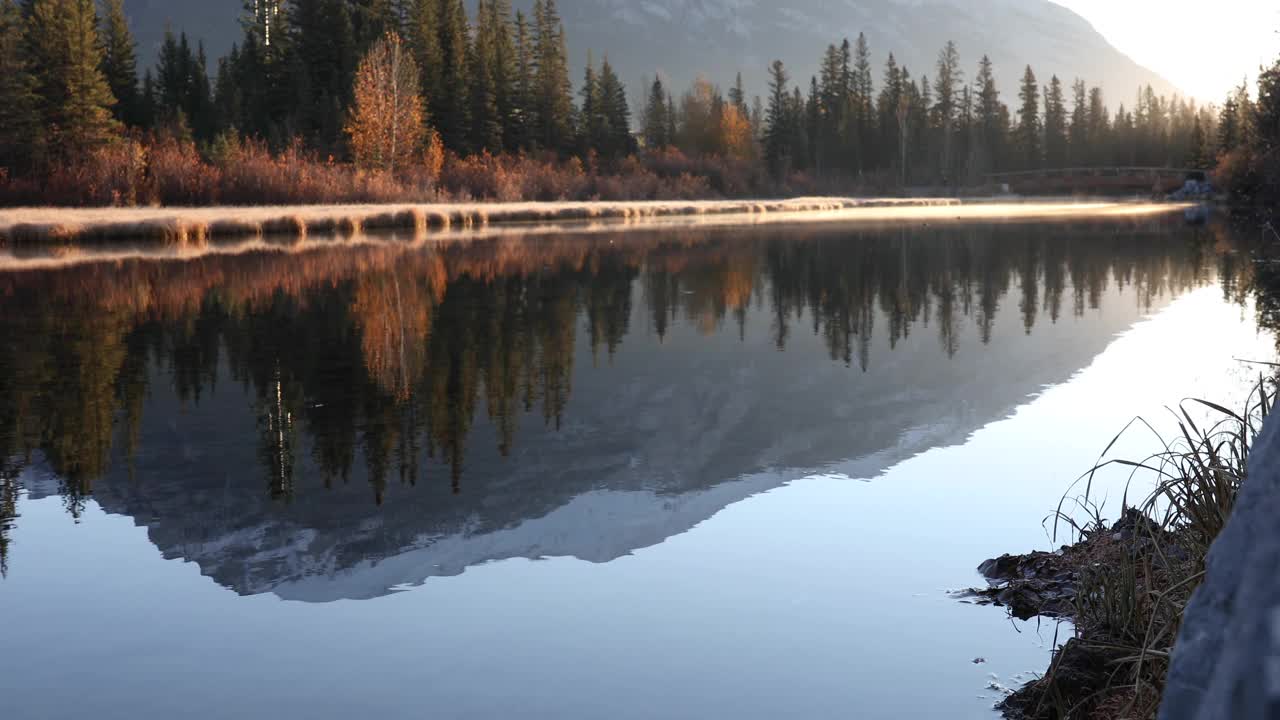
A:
[(950, 130), (499, 82), (1248, 141)]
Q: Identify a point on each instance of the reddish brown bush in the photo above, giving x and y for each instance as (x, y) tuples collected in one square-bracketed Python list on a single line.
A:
[(112, 175), (1240, 171), (170, 171), (178, 175)]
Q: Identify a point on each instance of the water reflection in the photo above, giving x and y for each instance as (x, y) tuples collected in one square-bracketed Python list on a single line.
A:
[(338, 422)]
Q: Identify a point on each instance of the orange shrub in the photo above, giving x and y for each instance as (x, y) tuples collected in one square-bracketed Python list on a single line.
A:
[(1239, 171), (550, 180), (179, 176), (433, 155), (252, 175), (111, 175), (172, 171)]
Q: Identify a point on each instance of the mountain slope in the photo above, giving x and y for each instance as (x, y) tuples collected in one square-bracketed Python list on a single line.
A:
[(682, 39), (720, 37)]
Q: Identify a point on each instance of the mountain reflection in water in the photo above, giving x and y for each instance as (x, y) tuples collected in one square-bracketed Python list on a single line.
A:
[(339, 422)]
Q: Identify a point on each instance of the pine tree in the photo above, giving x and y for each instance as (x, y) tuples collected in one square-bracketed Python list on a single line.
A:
[(239, 104), (902, 114), (147, 101), (325, 47), (948, 81), (1235, 123), (813, 142), (1182, 121), (833, 103), (892, 115), (485, 120), (1228, 126), (778, 132), (451, 106), (617, 141), (21, 133), (522, 123), (591, 120), (553, 91), (76, 101), (738, 95), (655, 117), (848, 140), (1099, 128), (1247, 112), (86, 119), (172, 73), (1122, 128), (1055, 125), (200, 101), (184, 101), (990, 121), (1027, 136), (423, 37), (228, 103), (1149, 127), (924, 141), (798, 143), (373, 19), (496, 26), (1199, 156), (1266, 114), (672, 130), (263, 72), (964, 133), (863, 115), (119, 62), (1078, 139)]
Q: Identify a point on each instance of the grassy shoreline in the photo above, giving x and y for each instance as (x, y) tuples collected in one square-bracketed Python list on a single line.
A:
[(197, 226), (1125, 586)]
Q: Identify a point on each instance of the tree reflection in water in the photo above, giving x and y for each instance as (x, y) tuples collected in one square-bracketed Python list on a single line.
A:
[(382, 354)]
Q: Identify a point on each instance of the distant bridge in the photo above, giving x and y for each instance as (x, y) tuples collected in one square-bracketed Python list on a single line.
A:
[(1097, 180)]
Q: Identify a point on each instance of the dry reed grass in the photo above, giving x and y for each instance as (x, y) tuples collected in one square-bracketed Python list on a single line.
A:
[(1133, 591), (183, 226)]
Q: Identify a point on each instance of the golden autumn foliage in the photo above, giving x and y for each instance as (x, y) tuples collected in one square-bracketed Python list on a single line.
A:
[(393, 310), (433, 156), (711, 127), (387, 119), (737, 138)]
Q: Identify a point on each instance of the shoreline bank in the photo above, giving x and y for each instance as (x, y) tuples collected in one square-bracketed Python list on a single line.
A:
[(197, 226), (1169, 604)]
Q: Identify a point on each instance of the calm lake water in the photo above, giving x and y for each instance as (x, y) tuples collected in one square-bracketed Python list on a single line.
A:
[(686, 473)]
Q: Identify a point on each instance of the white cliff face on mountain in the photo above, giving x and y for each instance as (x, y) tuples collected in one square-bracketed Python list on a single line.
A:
[(682, 39)]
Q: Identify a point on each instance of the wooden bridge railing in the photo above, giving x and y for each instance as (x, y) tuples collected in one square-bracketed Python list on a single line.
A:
[(1096, 172)]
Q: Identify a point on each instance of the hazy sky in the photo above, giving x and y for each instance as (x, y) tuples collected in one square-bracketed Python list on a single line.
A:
[(1204, 48)]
